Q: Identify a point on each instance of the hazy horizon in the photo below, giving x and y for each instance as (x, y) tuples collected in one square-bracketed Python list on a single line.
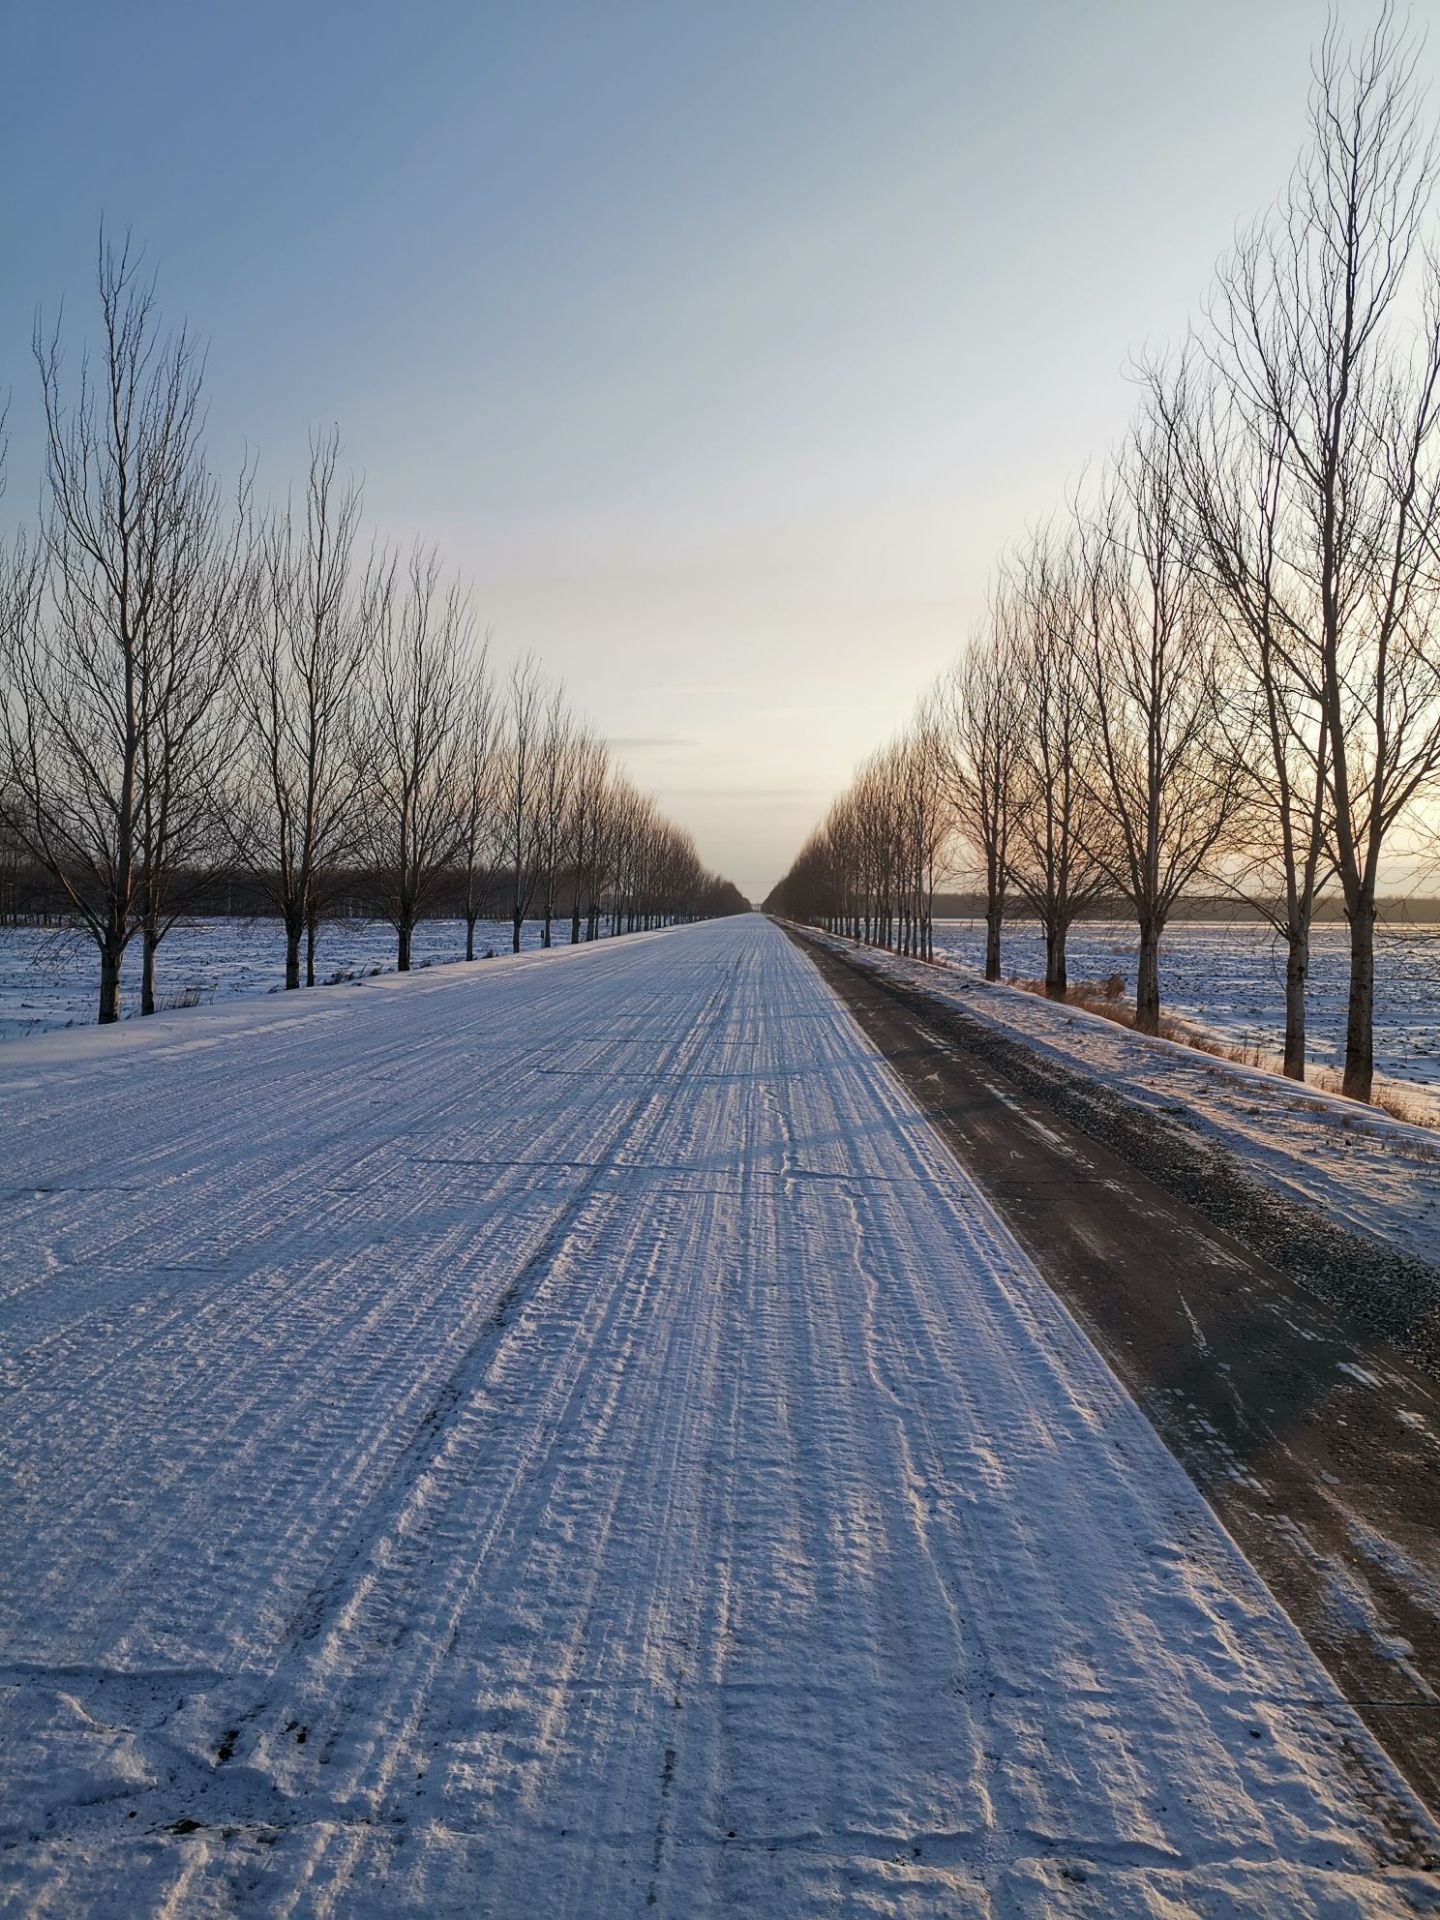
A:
[(723, 352)]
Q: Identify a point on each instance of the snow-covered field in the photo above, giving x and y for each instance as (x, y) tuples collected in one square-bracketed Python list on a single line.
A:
[(1231, 978), (1372, 1174), (49, 976), (564, 1438)]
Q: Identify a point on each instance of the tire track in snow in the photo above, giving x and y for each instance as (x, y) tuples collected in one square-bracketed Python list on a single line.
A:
[(279, 1333), (633, 1457), (381, 1567)]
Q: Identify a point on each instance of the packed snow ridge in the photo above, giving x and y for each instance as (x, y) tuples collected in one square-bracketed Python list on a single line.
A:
[(564, 1438)]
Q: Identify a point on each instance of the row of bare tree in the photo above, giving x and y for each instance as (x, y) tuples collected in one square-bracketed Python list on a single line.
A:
[(1221, 663), (189, 683)]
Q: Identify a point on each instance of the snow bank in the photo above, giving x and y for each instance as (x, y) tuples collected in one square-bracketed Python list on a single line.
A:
[(1370, 1173)]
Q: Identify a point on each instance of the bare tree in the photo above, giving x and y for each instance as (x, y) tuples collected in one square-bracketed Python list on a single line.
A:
[(25, 780), (415, 734), (926, 821), (863, 833), (86, 669), (866, 819), (1315, 311), (1058, 825), (520, 840), (1154, 663), (186, 733), (585, 831), (979, 702), (1232, 459), (632, 818), (299, 686), (480, 770), (553, 802)]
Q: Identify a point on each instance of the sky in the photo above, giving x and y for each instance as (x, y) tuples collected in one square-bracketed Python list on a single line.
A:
[(723, 347)]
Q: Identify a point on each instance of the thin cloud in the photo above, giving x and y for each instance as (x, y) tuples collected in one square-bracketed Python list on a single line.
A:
[(768, 796)]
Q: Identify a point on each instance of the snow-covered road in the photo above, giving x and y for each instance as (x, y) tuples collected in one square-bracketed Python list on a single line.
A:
[(563, 1438)]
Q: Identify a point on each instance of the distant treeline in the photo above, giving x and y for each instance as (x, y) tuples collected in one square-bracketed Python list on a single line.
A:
[(30, 896), (1398, 911)]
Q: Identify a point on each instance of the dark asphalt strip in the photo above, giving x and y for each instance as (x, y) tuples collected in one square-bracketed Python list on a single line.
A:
[(1314, 1437)]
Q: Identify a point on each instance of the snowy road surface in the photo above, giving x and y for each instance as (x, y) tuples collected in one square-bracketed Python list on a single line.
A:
[(563, 1438)]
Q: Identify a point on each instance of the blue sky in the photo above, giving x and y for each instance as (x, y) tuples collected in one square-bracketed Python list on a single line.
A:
[(723, 347)]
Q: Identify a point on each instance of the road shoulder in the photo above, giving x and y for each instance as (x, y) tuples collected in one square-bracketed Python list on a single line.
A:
[(1314, 1436)]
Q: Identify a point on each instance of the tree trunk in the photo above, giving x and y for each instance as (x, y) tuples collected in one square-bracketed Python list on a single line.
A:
[(294, 928), (1360, 1011), (1056, 976), (994, 917), (404, 930), (311, 928), (517, 921), (112, 950), (1147, 982), (151, 943), (470, 920), (1297, 973)]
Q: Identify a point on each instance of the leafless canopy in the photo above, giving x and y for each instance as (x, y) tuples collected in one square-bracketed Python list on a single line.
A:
[(1226, 673), (191, 686)]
